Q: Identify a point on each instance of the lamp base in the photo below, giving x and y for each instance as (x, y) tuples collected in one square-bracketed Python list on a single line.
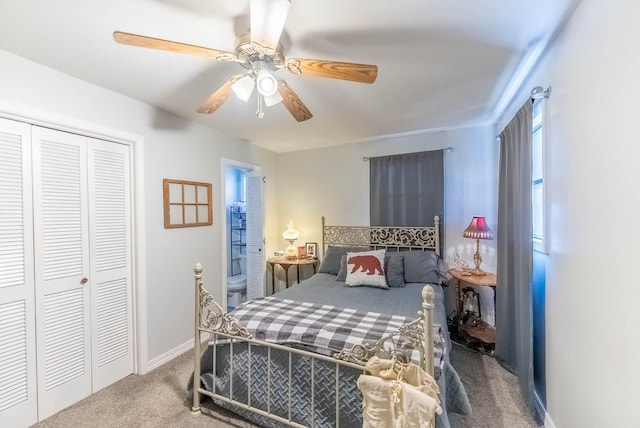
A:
[(291, 252), (477, 260)]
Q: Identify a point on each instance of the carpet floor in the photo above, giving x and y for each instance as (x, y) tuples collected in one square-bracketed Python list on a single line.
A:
[(158, 400), (493, 392)]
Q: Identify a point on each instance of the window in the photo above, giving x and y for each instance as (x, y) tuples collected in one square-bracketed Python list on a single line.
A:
[(537, 177)]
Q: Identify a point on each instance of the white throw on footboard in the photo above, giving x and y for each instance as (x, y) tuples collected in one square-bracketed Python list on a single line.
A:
[(252, 377)]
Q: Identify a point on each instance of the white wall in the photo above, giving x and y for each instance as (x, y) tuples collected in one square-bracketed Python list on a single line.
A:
[(173, 148), (334, 182), (592, 293)]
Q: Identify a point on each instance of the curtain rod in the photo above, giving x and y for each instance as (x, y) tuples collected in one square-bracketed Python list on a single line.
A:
[(538, 92), (445, 150)]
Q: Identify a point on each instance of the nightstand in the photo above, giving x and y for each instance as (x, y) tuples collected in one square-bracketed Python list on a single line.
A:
[(286, 264), (486, 334)]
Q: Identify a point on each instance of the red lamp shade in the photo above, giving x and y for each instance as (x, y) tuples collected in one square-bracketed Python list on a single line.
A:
[(478, 229)]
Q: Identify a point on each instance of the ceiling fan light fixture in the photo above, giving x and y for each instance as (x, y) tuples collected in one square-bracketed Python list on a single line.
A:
[(272, 100), (267, 84), (243, 87), (267, 22)]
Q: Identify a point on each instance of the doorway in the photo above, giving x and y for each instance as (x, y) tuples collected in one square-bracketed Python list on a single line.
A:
[(242, 237)]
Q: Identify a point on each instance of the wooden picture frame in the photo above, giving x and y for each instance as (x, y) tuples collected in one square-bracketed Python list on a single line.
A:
[(312, 249), (186, 203), (302, 252)]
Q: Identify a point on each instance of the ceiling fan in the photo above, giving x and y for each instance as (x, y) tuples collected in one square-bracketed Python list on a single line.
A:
[(261, 54)]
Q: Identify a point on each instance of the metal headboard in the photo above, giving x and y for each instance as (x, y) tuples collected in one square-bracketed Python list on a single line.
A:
[(390, 237)]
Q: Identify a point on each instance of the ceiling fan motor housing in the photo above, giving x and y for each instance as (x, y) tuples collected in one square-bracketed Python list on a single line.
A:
[(254, 58)]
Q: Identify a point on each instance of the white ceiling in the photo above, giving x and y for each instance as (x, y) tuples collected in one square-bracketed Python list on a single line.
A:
[(442, 63)]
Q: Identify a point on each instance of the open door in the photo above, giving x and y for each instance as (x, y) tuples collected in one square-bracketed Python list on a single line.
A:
[(255, 236)]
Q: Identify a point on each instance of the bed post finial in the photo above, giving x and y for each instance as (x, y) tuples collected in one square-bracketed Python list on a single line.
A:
[(428, 297), (197, 269)]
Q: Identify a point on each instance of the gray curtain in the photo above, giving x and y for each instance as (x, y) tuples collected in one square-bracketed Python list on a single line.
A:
[(406, 189), (514, 326)]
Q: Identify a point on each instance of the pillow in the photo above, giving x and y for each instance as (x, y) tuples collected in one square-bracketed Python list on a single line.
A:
[(421, 266), (394, 269), (331, 261), (366, 268), (342, 273)]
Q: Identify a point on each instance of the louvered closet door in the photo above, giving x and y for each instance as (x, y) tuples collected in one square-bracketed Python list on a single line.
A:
[(109, 226), (255, 236), (18, 398), (61, 269)]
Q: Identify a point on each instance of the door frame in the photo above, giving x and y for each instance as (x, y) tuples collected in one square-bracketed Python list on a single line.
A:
[(135, 143), (222, 215)]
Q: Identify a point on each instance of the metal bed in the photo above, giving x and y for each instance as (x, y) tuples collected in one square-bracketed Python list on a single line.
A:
[(213, 324)]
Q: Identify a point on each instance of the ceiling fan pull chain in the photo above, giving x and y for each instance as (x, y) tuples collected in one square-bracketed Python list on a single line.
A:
[(259, 113)]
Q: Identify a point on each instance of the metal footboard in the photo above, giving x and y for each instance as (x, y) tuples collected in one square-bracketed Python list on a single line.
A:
[(211, 320)]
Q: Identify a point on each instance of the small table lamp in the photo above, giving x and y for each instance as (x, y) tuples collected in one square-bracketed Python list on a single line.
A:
[(291, 235), (478, 230)]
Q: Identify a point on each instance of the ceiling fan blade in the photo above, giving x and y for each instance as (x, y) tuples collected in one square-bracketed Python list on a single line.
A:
[(167, 45), (218, 98), (293, 103), (362, 73), (267, 22)]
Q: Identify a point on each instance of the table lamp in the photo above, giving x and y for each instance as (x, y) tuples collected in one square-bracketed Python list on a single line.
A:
[(478, 230), (291, 235)]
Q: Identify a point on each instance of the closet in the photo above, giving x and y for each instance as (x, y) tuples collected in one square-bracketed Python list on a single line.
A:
[(65, 269)]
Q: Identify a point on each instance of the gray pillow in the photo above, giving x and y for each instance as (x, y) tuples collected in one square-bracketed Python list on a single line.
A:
[(342, 273), (393, 269), (422, 267), (331, 261)]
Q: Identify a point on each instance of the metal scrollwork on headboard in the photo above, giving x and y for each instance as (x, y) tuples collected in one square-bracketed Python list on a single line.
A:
[(404, 236), (352, 235), (424, 238)]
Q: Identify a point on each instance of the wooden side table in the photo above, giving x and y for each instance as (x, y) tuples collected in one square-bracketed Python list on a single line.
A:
[(286, 264), (486, 333)]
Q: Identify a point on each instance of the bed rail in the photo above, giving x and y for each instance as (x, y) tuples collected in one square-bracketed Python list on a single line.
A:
[(211, 319)]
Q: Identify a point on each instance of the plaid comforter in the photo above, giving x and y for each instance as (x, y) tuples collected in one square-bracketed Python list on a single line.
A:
[(321, 328)]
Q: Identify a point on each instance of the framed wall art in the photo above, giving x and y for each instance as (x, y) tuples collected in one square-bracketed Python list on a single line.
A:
[(186, 203), (302, 252), (312, 249)]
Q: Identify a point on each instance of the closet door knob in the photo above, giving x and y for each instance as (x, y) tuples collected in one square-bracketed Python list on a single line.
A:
[(83, 281)]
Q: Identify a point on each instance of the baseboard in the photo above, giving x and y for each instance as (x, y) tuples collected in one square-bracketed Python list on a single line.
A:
[(172, 353), (548, 423)]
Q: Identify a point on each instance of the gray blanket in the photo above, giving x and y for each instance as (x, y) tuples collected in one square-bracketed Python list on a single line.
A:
[(323, 289)]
